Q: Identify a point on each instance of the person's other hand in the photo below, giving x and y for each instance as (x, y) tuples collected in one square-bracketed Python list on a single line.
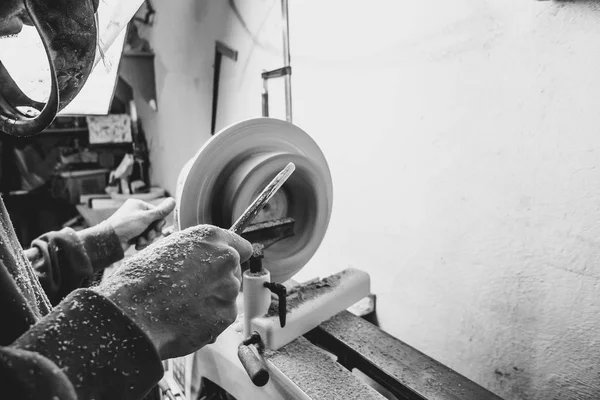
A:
[(139, 223), (182, 289)]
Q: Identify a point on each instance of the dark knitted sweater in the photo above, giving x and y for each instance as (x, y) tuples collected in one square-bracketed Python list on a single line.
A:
[(84, 348)]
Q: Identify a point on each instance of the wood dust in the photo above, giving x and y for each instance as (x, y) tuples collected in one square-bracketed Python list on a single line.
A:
[(317, 374), (305, 292)]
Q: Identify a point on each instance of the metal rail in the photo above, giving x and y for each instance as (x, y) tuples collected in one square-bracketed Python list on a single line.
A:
[(285, 71)]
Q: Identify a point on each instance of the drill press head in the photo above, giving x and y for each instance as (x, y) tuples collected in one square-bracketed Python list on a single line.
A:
[(232, 168)]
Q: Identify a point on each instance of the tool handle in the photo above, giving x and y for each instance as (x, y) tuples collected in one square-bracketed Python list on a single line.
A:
[(153, 226), (254, 367)]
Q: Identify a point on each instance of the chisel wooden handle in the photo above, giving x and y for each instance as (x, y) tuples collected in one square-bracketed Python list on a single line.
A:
[(254, 366)]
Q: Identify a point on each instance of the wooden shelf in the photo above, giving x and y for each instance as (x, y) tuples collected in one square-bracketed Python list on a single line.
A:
[(65, 130), (132, 53)]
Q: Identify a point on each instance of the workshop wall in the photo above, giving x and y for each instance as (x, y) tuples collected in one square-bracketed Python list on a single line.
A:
[(463, 139), (183, 39)]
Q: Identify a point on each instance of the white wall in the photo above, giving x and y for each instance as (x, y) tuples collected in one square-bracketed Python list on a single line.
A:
[(463, 139), (183, 38)]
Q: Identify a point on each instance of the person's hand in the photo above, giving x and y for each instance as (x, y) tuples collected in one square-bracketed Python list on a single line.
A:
[(139, 223), (182, 289)]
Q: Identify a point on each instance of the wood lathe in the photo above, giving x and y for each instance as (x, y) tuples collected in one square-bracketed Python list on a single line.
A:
[(291, 341)]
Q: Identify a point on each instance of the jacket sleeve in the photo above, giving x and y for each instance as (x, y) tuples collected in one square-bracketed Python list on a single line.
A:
[(66, 260), (86, 348)]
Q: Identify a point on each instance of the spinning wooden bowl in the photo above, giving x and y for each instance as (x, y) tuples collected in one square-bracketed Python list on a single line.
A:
[(233, 167)]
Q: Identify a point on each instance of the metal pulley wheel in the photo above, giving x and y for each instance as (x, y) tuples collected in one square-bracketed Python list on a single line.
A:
[(232, 168)]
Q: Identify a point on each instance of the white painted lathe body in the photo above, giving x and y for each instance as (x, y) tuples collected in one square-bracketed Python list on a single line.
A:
[(219, 361), (257, 298)]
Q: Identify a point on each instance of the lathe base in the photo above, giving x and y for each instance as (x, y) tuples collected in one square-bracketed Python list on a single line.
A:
[(299, 370), (345, 357), (303, 370)]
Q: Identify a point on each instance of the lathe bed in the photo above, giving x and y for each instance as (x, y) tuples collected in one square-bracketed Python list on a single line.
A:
[(396, 367), (399, 368)]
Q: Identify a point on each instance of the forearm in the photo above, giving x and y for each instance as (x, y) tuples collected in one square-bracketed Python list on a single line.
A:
[(66, 260), (93, 343), (27, 375), (102, 245)]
